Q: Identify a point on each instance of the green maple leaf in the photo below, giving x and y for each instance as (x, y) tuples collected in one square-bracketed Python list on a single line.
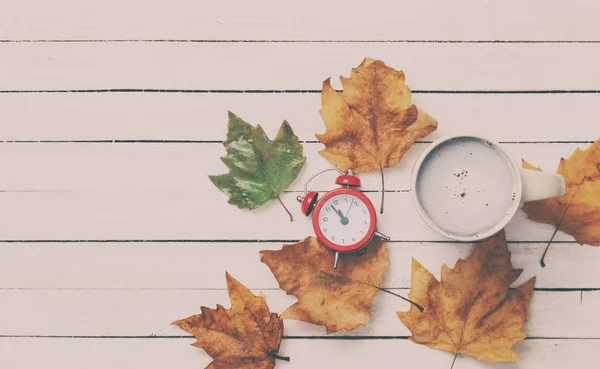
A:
[(259, 169)]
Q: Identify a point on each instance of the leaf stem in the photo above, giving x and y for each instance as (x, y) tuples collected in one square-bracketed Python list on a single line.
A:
[(286, 209), (403, 298), (542, 262), (382, 190), (562, 218), (421, 309), (275, 356), (453, 361)]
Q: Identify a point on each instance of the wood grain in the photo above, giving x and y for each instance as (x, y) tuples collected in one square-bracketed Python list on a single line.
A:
[(296, 67), (70, 313), (198, 265), (160, 353), (510, 20), (161, 191), (82, 167), (166, 117)]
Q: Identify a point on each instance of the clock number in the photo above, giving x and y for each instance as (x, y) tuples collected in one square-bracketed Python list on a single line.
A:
[(325, 219), (366, 223), (325, 230), (356, 204), (335, 202), (364, 212), (327, 210), (346, 200), (353, 239), (332, 238), (343, 241)]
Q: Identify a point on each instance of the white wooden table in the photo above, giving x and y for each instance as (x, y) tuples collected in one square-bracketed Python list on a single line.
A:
[(111, 117)]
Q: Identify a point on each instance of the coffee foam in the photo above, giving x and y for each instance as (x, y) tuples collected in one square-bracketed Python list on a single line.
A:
[(466, 186)]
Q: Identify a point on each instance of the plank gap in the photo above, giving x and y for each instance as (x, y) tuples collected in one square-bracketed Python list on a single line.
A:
[(250, 241), (142, 141), (354, 338), (300, 41), (217, 91)]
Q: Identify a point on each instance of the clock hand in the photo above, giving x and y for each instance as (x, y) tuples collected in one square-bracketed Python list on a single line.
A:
[(350, 208), (338, 212), (343, 219)]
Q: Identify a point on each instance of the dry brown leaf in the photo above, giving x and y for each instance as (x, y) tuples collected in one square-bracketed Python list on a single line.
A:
[(246, 336), (336, 298), (471, 311), (372, 122), (578, 211)]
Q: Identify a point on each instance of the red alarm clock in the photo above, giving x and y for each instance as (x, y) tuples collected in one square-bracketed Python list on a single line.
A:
[(344, 219)]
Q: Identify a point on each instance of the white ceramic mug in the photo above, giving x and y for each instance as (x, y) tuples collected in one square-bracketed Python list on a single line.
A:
[(468, 188)]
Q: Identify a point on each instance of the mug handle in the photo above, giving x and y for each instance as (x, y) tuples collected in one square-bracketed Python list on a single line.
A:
[(540, 185)]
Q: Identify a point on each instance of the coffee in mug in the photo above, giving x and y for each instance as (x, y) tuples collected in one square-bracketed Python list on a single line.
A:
[(468, 188)]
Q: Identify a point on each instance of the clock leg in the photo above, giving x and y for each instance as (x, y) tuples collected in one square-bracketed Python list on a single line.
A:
[(382, 236), (335, 260)]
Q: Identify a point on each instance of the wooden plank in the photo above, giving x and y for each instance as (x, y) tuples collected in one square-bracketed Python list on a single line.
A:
[(162, 192), (203, 117), (293, 66), (196, 265), (180, 216), (160, 215), (160, 353), (149, 313), (311, 20), (176, 167)]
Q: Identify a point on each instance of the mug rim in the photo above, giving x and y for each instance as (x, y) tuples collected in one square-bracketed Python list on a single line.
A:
[(493, 230)]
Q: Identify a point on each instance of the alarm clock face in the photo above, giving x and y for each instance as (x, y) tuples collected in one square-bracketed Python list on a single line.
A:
[(344, 220)]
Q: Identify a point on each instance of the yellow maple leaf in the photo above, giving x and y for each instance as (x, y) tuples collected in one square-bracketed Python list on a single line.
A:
[(578, 211), (247, 335), (336, 298), (372, 123), (471, 311)]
